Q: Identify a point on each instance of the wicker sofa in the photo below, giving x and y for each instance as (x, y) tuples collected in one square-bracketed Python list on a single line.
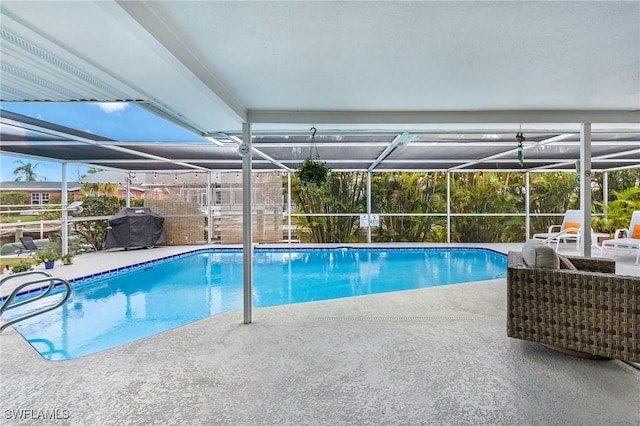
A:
[(589, 312)]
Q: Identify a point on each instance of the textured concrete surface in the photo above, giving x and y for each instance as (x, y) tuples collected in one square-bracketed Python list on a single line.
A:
[(437, 356), (431, 356)]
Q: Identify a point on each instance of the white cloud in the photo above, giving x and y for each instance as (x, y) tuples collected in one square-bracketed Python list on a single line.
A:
[(111, 107)]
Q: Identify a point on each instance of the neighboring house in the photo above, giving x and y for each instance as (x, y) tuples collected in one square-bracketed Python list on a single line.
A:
[(41, 192)]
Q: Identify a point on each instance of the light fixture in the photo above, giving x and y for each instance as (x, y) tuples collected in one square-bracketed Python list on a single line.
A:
[(75, 207)]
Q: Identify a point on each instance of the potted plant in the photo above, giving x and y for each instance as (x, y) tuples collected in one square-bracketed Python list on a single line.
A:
[(67, 259), (313, 172), (48, 258)]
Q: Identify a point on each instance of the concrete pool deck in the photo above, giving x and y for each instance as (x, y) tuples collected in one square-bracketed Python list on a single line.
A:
[(430, 356)]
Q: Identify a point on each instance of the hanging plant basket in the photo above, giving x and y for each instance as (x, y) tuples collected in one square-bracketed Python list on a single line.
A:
[(313, 172)]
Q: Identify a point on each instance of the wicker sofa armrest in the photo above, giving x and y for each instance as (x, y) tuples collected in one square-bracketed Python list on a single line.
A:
[(582, 263), (593, 264), (594, 313)]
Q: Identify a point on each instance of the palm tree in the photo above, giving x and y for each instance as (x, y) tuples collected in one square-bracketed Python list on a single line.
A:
[(25, 171), (101, 188), (488, 192), (394, 193), (618, 211), (342, 193)]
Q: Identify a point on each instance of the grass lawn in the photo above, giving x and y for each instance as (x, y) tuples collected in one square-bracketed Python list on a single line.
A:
[(22, 219), (12, 261)]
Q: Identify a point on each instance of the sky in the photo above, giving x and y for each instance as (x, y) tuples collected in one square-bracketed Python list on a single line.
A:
[(116, 120)]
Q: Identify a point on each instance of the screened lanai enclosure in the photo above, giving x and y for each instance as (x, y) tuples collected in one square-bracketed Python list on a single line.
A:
[(440, 121), (405, 187)]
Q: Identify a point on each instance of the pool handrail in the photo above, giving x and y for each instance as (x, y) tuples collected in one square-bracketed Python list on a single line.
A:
[(52, 282)]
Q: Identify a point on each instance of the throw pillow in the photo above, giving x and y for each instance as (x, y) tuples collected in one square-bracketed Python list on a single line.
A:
[(568, 225), (536, 254), (636, 232)]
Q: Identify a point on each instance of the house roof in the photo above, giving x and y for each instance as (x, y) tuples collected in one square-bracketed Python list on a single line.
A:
[(107, 177), (388, 85), (37, 186)]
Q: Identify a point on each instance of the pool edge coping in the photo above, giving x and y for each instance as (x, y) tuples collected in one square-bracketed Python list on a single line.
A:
[(115, 271)]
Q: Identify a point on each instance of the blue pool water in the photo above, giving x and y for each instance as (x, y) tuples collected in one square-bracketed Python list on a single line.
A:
[(123, 306)]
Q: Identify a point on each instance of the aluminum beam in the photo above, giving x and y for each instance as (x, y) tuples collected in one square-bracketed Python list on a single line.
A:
[(401, 140), (442, 117), (247, 238), (585, 188), (510, 151)]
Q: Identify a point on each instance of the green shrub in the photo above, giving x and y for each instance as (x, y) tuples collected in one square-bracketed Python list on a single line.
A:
[(23, 266)]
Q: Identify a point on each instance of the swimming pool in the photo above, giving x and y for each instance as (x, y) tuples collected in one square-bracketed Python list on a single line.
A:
[(122, 306)]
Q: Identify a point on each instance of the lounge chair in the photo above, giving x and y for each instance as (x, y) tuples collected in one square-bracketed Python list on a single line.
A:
[(630, 241), (27, 245), (583, 310), (568, 231)]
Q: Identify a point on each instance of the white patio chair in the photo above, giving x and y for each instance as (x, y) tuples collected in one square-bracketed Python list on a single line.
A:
[(568, 231), (631, 239)]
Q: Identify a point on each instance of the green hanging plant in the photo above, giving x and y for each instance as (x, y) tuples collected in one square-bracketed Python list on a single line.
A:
[(313, 172)]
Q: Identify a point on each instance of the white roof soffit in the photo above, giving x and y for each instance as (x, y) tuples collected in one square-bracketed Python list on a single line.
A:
[(94, 51), (376, 63), (211, 65)]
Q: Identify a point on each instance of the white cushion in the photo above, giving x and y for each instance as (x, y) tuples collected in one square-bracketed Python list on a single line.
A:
[(536, 254)]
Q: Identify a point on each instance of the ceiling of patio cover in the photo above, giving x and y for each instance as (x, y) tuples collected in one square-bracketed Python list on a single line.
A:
[(385, 151), (389, 85)]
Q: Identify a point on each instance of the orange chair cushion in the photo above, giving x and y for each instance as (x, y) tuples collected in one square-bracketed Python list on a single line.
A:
[(636, 232), (572, 225)]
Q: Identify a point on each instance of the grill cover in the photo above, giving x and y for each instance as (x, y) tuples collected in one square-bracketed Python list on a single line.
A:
[(135, 227)]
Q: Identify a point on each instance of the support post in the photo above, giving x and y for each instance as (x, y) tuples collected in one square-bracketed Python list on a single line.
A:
[(368, 206), (585, 188), (289, 206), (128, 194), (209, 212), (64, 200), (247, 243), (448, 207), (605, 191), (527, 207)]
